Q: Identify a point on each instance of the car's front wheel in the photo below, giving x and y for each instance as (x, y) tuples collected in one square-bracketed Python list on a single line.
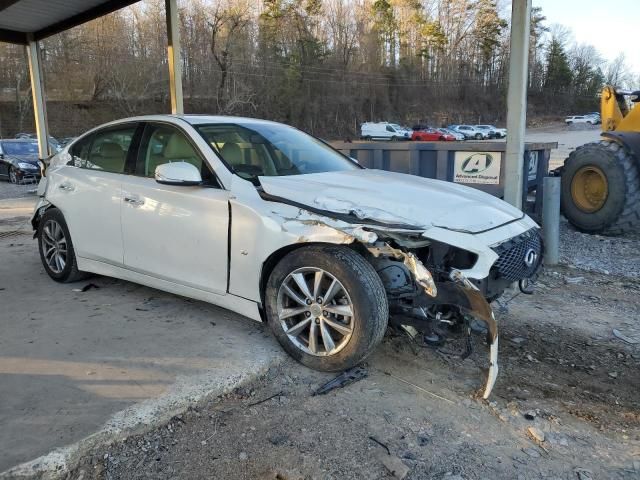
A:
[(13, 175), (56, 248), (327, 307)]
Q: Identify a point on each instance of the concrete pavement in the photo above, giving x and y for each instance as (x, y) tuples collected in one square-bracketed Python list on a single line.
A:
[(81, 368)]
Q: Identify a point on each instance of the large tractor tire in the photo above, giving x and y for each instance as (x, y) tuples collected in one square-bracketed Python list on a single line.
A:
[(601, 189)]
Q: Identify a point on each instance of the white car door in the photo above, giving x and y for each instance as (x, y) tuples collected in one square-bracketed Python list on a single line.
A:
[(175, 233), (88, 192)]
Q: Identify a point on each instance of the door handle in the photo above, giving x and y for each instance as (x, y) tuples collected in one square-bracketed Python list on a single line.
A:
[(134, 200), (66, 187)]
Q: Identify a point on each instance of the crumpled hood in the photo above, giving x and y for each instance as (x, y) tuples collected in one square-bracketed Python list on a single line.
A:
[(395, 198)]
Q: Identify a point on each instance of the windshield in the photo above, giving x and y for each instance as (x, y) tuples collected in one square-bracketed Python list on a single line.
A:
[(272, 150), (20, 148)]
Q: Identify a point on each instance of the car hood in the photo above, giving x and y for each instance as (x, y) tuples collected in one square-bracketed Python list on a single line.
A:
[(395, 198), (33, 159)]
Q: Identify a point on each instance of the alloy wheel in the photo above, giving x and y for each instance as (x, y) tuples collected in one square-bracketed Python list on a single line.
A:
[(54, 246), (13, 176), (315, 311)]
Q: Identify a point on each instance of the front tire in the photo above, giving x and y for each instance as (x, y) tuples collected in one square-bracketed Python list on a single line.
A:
[(478, 136), (327, 307), (13, 175), (56, 248)]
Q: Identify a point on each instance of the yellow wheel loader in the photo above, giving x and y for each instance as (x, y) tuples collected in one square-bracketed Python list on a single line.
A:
[(601, 180)]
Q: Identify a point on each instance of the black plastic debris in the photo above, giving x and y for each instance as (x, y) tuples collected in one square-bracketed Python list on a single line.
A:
[(86, 288), (347, 377)]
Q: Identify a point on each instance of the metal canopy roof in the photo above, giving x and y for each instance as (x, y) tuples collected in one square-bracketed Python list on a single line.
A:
[(42, 18)]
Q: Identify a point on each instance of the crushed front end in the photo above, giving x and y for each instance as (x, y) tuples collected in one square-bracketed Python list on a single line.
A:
[(452, 280)]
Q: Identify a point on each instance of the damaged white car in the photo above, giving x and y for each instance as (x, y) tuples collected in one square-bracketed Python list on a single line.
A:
[(269, 222)]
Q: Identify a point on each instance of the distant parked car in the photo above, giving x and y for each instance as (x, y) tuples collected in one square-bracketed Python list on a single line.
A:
[(56, 146), (596, 116), (470, 131), (384, 131), (456, 135), (431, 135), (493, 131), (580, 119), (19, 160)]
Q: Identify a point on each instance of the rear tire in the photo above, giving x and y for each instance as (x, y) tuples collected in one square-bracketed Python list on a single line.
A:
[(360, 292), (478, 136), (620, 210), (54, 240)]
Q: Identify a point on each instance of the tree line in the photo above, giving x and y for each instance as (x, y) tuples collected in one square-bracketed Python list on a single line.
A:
[(325, 66)]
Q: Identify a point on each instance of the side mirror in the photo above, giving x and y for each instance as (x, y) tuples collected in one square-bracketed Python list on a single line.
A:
[(178, 173)]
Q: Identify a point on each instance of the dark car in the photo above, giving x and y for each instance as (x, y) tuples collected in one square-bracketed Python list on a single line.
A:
[(19, 160)]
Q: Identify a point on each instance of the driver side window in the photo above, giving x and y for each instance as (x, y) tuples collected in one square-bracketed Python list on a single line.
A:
[(165, 144)]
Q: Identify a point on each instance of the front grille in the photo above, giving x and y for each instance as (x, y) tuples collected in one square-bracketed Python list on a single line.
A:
[(519, 257)]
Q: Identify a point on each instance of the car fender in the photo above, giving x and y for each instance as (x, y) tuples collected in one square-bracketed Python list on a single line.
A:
[(259, 229)]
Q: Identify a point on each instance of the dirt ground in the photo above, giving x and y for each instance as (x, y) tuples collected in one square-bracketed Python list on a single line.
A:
[(563, 372)]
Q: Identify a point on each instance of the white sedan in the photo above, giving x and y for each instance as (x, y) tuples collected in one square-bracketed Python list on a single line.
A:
[(269, 222)]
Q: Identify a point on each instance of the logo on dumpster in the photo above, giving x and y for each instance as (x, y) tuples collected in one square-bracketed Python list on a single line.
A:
[(477, 167), (476, 163)]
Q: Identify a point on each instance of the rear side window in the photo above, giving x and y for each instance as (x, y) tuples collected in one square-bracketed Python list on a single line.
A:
[(105, 150)]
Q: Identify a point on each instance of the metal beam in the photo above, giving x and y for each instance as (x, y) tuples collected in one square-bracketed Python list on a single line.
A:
[(99, 10), (173, 54), (13, 36), (517, 101), (37, 92), (4, 4)]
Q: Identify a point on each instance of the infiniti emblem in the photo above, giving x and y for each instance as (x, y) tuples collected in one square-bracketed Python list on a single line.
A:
[(530, 257)]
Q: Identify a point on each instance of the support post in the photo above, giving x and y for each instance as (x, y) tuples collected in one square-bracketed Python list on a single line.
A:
[(517, 101), (551, 220), (37, 93), (173, 54)]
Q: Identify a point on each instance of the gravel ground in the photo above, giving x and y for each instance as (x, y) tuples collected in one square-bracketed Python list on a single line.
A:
[(11, 190), (598, 253)]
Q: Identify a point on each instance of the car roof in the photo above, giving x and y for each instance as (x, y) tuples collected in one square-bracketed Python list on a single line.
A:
[(193, 119), (18, 140)]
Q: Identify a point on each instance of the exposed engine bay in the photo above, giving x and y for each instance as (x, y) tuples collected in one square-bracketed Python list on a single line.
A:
[(427, 289)]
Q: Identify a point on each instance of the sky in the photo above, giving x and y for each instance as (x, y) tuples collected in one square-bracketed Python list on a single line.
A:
[(608, 26)]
